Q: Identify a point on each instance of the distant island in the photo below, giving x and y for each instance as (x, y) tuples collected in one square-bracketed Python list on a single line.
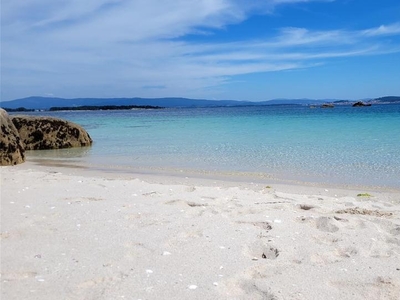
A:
[(105, 107), (52, 103), (381, 100), (86, 107), (19, 109)]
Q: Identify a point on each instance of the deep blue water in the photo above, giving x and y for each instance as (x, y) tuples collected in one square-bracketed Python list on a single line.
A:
[(343, 145)]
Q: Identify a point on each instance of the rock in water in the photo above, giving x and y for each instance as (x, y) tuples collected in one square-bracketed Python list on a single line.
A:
[(360, 104), (38, 133), (12, 150)]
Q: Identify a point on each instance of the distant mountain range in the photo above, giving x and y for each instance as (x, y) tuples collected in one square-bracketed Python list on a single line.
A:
[(45, 103)]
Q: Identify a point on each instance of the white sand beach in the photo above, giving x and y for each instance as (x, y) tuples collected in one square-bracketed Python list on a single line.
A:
[(71, 234)]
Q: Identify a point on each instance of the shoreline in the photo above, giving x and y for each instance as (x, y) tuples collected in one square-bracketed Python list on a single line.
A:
[(195, 176), (75, 233)]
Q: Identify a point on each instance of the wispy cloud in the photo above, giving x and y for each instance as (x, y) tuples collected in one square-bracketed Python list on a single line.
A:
[(391, 29), (141, 45)]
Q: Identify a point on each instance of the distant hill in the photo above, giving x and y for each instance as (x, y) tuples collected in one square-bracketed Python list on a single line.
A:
[(381, 100), (45, 103), (295, 101), (388, 99)]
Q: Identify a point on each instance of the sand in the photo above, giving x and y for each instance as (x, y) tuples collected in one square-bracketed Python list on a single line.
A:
[(71, 234)]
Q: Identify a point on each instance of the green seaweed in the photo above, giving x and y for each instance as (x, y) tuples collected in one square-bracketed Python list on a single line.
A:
[(364, 195)]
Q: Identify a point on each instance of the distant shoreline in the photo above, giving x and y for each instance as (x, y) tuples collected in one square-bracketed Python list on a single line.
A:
[(87, 107), (46, 103), (144, 107)]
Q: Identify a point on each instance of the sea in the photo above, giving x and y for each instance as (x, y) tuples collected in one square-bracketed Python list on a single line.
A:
[(344, 145)]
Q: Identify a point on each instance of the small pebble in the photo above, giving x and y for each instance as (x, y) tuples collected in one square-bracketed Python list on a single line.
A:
[(166, 253), (192, 287), (215, 283)]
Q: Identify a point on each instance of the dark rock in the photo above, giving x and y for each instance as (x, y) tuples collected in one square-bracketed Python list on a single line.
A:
[(327, 105), (12, 150), (38, 133), (360, 103)]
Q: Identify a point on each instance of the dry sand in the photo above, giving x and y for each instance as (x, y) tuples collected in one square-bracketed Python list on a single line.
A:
[(67, 234)]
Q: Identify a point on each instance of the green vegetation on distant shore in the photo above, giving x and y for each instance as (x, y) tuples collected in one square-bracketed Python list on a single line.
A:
[(87, 107), (106, 107), (19, 109)]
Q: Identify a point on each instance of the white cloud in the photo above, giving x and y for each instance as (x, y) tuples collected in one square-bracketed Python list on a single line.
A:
[(122, 45), (392, 29)]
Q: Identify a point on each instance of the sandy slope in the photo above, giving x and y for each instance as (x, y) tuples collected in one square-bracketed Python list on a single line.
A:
[(69, 235)]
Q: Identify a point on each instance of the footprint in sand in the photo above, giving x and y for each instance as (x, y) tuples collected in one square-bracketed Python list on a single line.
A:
[(261, 250), (379, 288), (192, 208), (263, 225), (179, 202), (250, 285), (306, 206), (395, 230), (389, 227), (96, 287), (256, 290), (326, 224), (389, 236), (190, 189)]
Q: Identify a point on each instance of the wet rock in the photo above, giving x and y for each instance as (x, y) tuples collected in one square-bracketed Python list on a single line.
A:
[(12, 150), (360, 103), (328, 105), (39, 133)]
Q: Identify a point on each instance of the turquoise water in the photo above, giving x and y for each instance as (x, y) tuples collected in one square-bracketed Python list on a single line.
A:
[(344, 145)]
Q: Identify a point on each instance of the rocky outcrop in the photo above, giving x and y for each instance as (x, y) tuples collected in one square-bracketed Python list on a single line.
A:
[(360, 103), (328, 105), (11, 148), (38, 133)]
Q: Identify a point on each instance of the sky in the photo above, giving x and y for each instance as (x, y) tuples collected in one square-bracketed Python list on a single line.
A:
[(252, 50)]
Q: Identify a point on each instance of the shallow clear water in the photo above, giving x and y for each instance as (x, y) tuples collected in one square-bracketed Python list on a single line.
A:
[(344, 145)]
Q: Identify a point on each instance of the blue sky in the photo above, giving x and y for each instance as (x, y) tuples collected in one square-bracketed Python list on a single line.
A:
[(211, 49)]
